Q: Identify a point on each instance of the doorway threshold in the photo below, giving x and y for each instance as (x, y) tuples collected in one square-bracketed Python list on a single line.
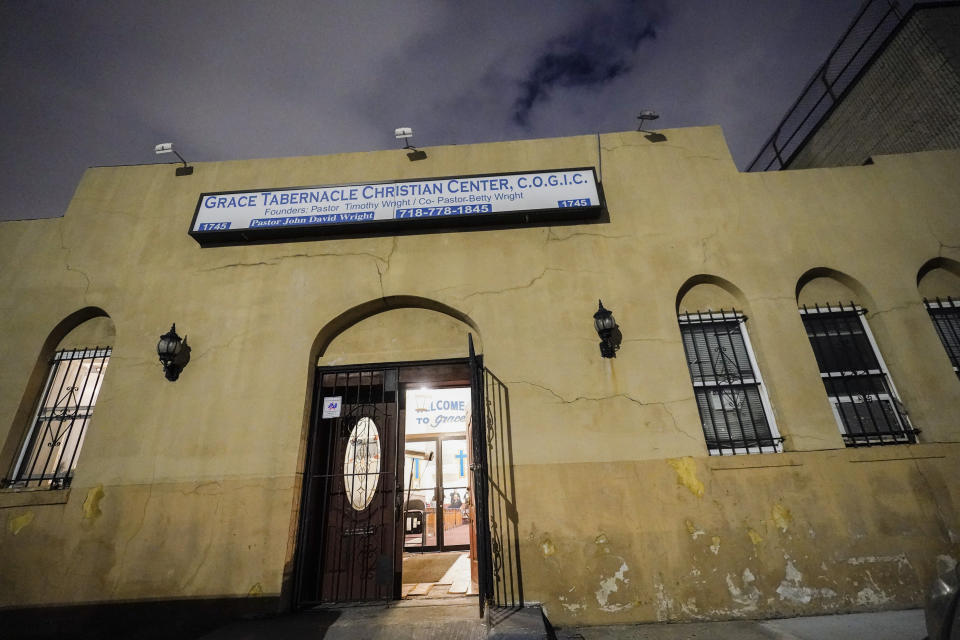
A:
[(461, 601), (435, 576)]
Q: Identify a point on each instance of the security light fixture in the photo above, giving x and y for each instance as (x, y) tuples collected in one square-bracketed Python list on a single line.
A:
[(173, 352), (609, 332), (405, 133), (645, 115), (167, 147)]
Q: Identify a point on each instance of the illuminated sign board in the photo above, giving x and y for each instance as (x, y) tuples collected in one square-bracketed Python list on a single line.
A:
[(304, 212)]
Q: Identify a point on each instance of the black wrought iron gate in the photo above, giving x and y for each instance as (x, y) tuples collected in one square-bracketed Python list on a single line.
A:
[(350, 535), (498, 552), (349, 525)]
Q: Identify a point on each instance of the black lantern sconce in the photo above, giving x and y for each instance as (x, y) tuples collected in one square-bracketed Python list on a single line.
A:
[(609, 332), (174, 353)]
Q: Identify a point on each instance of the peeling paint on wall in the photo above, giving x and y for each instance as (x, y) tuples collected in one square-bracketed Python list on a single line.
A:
[(749, 595), (255, 590), (664, 603), (609, 586), (601, 539), (900, 559), (15, 524), (572, 607), (781, 517), (872, 595), (687, 474), (692, 530), (755, 537), (715, 547), (547, 548), (792, 590), (91, 504)]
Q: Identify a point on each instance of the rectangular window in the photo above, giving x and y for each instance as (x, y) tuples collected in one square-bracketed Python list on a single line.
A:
[(864, 401), (733, 404), (946, 318), (50, 450)]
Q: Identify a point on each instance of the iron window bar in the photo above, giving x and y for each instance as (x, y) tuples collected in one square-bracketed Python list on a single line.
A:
[(49, 453), (945, 315), (864, 401), (734, 409)]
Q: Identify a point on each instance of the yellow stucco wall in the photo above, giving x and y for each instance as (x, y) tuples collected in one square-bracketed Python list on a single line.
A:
[(190, 489)]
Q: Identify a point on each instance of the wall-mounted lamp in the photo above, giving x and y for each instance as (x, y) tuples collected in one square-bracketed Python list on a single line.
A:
[(609, 332), (174, 353), (167, 147)]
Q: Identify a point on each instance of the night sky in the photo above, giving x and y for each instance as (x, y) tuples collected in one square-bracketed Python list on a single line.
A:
[(89, 83)]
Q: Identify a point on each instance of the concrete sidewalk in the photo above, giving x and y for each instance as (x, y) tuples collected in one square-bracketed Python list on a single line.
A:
[(884, 625)]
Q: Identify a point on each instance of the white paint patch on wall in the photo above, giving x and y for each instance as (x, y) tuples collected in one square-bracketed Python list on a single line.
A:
[(872, 595), (610, 585), (572, 607), (664, 603), (748, 596), (900, 559), (715, 547), (791, 587)]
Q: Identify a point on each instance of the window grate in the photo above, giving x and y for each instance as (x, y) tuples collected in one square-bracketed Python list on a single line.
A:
[(730, 397), (864, 401), (946, 319), (52, 444)]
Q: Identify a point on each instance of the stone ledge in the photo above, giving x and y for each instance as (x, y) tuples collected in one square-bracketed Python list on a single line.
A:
[(10, 498)]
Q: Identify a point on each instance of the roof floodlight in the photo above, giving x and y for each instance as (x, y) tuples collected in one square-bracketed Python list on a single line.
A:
[(405, 133), (167, 147), (645, 115)]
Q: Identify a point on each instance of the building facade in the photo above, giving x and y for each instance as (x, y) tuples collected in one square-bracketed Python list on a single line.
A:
[(890, 85), (777, 435)]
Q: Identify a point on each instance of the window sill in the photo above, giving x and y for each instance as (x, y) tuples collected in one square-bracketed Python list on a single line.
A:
[(10, 498)]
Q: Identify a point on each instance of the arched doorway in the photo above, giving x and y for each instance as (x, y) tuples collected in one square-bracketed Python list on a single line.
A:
[(392, 461)]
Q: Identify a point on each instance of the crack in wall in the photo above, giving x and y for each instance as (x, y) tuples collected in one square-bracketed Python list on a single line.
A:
[(944, 245), (662, 404), (703, 246), (532, 282), (598, 398), (295, 256), (143, 518), (553, 237), (226, 345), (941, 517), (897, 307), (205, 554), (661, 340), (380, 274), (66, 263), (773, 298), (941, 244)]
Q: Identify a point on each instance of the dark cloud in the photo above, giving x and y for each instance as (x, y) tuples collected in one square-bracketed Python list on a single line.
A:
[(591, 54)]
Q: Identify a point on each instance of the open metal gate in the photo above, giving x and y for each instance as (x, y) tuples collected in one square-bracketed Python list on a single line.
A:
[(498, 544), (350, 536)]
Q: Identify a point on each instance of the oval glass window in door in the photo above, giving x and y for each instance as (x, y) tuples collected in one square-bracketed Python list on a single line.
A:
[(361, 465)]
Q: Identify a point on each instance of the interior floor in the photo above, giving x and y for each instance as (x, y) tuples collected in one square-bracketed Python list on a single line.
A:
[(437, 575)]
